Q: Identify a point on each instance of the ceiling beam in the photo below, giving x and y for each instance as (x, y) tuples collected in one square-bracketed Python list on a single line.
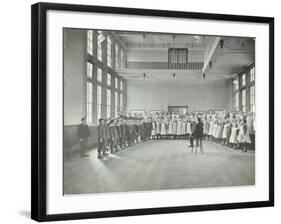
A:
[(209, 52)]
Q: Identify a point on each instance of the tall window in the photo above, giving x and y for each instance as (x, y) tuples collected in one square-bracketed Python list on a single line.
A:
[(244, 100), (244, 91), (99, 100), (101, 38), (236, 101), (108, 79), (243, 80), (90, 42), (252, 99), (121, 101), (89, 70), (252, 74), (89, 102), (108, 103), (109, 51), (116, 83), (99, 75), (116, 56), (121, 85), (235, 83), (121, 58), (116, 104)]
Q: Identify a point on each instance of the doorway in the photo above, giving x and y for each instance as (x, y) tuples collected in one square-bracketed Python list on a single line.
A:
[(178, 109)]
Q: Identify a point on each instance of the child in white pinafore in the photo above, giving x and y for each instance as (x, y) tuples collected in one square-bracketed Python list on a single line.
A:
[(163, 129), (170, 128), (158, 127), (153, 132), (188, 130), (175, 128), (245, 137), (233, 140), (226, 132), (179, 129), (210, 134), (183, 129)]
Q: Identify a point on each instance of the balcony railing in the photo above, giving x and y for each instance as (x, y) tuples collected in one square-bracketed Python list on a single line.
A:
[(164, 65)]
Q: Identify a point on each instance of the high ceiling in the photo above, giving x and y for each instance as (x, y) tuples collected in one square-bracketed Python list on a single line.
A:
[(223, 59), (153, 40)]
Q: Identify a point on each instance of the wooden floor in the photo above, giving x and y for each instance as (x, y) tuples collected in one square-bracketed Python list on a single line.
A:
[(159, 165)]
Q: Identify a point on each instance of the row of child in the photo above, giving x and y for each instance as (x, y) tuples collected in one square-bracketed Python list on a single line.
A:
[(117, 134), (232, 130)]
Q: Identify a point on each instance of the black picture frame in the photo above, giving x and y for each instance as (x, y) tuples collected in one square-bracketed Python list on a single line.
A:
[(39, 108)]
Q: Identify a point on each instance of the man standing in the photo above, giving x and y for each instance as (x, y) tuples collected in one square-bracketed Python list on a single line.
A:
[(83, 133), (198, 134), (192, 130)]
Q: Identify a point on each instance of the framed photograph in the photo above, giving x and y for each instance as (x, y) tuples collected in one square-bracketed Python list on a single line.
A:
[(92, 66)]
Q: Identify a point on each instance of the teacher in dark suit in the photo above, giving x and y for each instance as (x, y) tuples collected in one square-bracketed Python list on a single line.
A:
[(198, 135)]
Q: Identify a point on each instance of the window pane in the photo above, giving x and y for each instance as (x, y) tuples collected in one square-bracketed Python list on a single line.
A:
[(101, 38), (89, 102), (108, 51), (99, 96), (99, 100), (252, 74), (89, 69), (116, 83), (121, 58), (236, 101), (244, 100), (121, 102), (90, 42), (116, 104), (252, 98), (108, 103), (108, 79), (99, 75), (116, 56), (235, 83), (121, 85), (243, 79)]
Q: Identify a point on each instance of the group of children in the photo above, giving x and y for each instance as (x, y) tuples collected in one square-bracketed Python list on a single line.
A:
[(120, 133), (234, 130)]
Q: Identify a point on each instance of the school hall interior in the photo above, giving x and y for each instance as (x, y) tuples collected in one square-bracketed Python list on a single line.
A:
[(138, 77)]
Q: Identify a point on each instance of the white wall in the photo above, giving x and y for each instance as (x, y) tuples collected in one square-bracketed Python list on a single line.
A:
[(202, 95), (15, 112), (74, 65)]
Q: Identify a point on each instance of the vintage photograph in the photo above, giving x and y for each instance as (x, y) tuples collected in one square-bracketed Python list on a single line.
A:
[(146, 111)]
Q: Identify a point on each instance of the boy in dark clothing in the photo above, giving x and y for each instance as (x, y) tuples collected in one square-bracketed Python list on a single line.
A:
[(101, 138), (83, 133)]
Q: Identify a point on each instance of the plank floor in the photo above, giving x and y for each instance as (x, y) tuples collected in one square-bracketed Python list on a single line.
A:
[(159, 165)]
